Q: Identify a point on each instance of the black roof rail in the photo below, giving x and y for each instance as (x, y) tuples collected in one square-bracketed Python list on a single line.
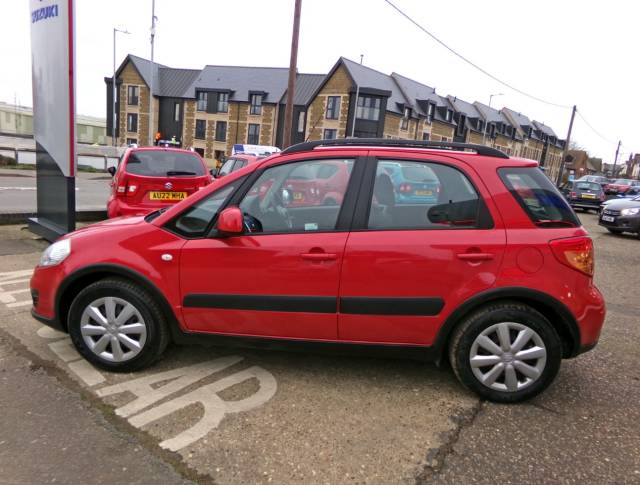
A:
[(387, 142)]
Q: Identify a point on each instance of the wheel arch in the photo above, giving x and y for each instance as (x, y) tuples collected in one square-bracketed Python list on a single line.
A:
[(76, 281), (552, 309)]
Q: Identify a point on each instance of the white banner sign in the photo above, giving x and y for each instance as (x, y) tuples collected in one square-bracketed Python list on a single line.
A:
[(53, 73)]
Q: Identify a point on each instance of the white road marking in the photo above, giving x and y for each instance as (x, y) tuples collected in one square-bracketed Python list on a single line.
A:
[(11, 278), (7, 296), (50, 333), (86, 372), (215, 408), (66, 352), (147, 395), (19, 303)]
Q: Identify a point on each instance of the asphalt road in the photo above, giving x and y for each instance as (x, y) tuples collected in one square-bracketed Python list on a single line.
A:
[(238, 416), (18, 191)]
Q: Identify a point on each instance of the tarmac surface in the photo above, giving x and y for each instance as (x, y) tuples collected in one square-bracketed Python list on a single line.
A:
[(18, 191), (248, 416)]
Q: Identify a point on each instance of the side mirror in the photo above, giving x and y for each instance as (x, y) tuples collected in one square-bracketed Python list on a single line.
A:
[(230, 222), (112, 170)]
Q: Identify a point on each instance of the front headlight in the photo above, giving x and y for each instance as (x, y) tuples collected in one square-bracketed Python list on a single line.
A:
[(56, 253), (630, 212)]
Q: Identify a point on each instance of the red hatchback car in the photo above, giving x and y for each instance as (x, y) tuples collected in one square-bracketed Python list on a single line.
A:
[(496, 275), (151, 178)]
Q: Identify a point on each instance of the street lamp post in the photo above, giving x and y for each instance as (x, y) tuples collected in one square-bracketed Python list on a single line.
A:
[(486, 125), (113, 82)]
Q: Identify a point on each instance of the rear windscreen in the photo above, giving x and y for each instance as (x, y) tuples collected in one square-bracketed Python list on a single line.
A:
[(158, 163), (587, 186), (539, 198)]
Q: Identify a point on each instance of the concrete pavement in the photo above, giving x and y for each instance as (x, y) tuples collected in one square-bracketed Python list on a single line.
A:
[(18, 191), (247, 416)]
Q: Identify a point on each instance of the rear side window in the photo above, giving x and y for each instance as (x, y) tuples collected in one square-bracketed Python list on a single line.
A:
[(539, 198), (410, 195), (157, 163)]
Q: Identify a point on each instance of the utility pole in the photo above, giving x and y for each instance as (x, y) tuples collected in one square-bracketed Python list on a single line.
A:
[(566, 147), (615, 160), (153, 35), (293, 64)]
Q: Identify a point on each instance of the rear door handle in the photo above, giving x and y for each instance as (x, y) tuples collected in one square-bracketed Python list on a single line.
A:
[(319, 256), (475, 256)]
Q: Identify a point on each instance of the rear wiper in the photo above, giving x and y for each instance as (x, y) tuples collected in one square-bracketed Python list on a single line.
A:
[(179, 172)]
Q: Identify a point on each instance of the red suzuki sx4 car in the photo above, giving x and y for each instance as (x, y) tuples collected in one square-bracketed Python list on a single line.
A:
[(151, 178), (494, 275)]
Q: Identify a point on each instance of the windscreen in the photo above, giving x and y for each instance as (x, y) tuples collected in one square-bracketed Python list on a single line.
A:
[(539, 198), (158, 163)]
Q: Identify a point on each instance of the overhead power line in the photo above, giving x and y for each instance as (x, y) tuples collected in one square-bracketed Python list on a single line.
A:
[(596, 131), (486, 73)]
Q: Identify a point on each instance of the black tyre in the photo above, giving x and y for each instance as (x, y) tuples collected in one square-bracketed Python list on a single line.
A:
[(505, 352), (614, 231), (118, 326)]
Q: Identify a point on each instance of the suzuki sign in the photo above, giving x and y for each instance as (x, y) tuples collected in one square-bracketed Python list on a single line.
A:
[(53, 74)]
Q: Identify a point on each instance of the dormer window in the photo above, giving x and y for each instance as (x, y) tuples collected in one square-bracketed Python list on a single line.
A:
[(256, 104), (404, 124), (449, 115), (430, 112)]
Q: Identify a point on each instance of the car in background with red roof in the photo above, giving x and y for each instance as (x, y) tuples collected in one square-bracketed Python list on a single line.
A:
[(151, 178)]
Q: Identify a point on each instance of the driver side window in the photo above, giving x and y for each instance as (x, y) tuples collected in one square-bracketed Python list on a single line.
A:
[(297, 197)]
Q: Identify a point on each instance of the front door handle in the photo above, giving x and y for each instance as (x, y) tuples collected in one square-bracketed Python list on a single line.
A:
[(318, 257), (475, 256)]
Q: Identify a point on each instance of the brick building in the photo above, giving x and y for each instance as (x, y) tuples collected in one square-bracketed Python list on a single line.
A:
[(212, 109)]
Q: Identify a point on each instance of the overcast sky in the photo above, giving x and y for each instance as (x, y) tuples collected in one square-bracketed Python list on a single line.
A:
[(567, 52)]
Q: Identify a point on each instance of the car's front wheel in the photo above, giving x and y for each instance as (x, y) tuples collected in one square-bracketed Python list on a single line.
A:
[(506, 352), (118, 326)]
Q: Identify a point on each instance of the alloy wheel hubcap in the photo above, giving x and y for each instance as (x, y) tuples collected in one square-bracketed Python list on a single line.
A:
[(508, 356), (113, 329)]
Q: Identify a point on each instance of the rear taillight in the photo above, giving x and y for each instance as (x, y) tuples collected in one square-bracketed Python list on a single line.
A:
[(573, 195), (575, 252), (125, 188), (404, 188)]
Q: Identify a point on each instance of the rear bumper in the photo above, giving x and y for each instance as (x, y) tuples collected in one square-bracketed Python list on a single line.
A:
[(586, 203), (117, 207)]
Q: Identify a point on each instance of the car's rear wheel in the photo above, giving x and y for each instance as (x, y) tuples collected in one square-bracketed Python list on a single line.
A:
[(506, 352), (118, 326), (614, 231)]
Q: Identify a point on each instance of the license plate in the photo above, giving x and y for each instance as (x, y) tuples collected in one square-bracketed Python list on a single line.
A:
[(423, 192), (588, 196), (608, 219), (167, 195), (298, 196)]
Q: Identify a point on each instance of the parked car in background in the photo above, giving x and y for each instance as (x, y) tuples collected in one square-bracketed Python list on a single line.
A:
[(150, 178), (585, 195), (236, 162), (621, 215), (412, 183), (495, 275), (620, 186), (599, 179)]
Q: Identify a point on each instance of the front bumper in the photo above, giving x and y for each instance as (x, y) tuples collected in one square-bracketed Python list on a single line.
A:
[(621, 223), (50, 322)]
